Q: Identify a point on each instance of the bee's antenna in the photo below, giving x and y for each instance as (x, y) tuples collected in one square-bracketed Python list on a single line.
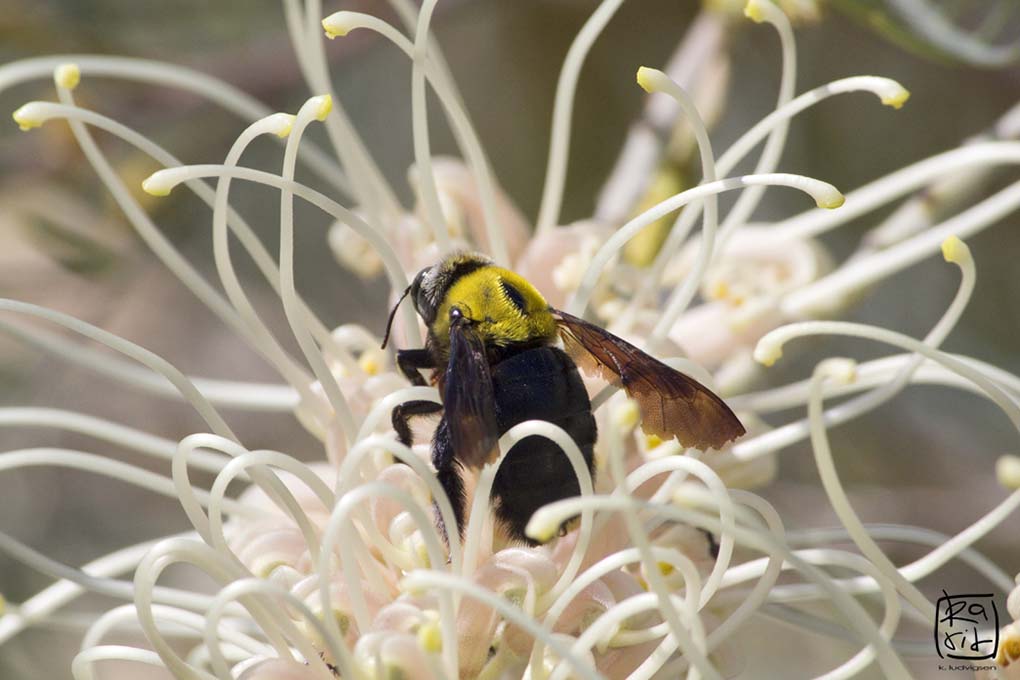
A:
[(393, 313)]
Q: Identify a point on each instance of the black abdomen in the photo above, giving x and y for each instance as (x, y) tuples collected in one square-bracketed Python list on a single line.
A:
[(539, 384)]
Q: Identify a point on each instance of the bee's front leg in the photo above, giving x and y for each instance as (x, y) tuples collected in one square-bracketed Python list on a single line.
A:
[(411, 361), (402, 414)]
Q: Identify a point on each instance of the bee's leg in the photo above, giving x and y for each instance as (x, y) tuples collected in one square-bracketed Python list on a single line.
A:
[(453, 485), (448, 473), (402, 414), (713, 546), (411, 361)]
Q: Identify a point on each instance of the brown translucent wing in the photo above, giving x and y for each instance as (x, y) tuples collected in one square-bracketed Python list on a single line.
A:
[(468, 398), (671, 403)]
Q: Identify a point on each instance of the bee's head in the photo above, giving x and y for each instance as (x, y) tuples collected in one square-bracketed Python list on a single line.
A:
[(422, 299), (430, 285)]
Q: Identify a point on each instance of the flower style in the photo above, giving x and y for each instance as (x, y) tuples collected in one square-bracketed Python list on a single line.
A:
[(338, 569)]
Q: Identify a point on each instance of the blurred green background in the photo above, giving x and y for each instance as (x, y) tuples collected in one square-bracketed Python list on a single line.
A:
[(927, 459)]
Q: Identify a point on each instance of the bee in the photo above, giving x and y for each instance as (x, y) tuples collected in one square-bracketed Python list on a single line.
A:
[(492, 349)]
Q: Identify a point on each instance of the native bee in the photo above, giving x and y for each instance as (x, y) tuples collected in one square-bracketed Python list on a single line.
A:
[(492, 350)]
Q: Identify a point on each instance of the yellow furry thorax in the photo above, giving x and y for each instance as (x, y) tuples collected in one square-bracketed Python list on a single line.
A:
[(481, 297)]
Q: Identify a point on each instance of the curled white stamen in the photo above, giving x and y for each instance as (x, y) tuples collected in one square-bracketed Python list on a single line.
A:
[(347, 480), (765, 11), (889, 91), (316, 108), (955, 251), (169, 178), (170, 76), (81, 665), (244, 587), (824, 194), (369, 187), (236, 466), (657, 81), (244, 233), (563, 108), (337, 535), (843, 370), (422, 580), (770, 349), (420, 128), (341, 22), (830, 291), (878, 638), (143, 356)]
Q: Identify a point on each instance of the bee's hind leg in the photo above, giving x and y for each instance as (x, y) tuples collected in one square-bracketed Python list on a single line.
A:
[(412, 361), (450, 479), (448, 472), (402, 414)]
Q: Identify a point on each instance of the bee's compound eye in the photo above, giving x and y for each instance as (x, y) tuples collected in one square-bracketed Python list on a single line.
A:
[(416, 290)]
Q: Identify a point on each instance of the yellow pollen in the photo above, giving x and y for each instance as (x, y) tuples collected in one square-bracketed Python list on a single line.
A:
[(1009, 651), (956, 251), (753, 10), (719, 290), (286, 127), (541, 527), (24, 118), (325, 106), (430, 637), (67, 76), (767, 354), (652, 441), (897, 100), (832, 202), (154, 187), (337, 24), (665, 568), (369, 364), (644, 78)]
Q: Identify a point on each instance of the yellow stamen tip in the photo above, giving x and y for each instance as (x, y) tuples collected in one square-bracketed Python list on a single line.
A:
[(956, 251), (541, 527), (767, 353), (832, 202), (898, 99), (1007, 471), (337, 24), (325, 106), (67, 76), (645, 76), (754, 11), (155, 186), (25, 117), (720, 290), (430, 637), (285, 125), (369, 365)]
